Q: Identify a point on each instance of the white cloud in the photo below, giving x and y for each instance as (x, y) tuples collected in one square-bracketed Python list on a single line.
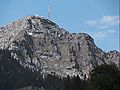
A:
[(91, 23), (101, 35), (104, 22), (110, 20)]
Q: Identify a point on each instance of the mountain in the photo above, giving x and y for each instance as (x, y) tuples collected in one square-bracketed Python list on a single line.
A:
[(41, 45)]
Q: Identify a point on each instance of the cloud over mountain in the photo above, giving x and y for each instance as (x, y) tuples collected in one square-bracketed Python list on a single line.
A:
[(104, 22)]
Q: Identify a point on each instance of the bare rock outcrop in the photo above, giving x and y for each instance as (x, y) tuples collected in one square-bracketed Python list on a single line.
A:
[(42, 45)]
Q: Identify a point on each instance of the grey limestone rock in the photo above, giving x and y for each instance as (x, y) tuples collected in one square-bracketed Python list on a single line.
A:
[(42, 45)]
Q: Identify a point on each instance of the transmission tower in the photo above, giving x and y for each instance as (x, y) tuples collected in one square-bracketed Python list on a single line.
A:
[(49, 9)]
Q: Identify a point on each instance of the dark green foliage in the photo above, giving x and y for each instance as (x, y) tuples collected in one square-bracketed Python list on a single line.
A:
[(105, 77), (102, 77), (76, 83), (67, 83), (12, 74), (73, 83), (52, 82)]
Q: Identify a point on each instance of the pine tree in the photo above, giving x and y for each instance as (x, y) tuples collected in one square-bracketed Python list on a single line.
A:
[(67, 83), (105, 77)]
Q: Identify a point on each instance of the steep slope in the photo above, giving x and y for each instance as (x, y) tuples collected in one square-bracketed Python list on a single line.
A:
[(40, 44)]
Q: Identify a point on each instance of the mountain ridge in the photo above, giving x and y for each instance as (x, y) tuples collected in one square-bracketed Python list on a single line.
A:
[(40, 44)]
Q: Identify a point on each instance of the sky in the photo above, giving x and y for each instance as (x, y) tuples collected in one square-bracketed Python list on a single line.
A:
[(98, 18)]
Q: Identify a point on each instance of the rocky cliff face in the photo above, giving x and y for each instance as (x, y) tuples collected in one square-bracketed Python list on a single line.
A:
[(40, 44)]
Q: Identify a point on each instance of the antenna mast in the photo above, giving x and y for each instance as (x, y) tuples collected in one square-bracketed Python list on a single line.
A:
[(49, 9)]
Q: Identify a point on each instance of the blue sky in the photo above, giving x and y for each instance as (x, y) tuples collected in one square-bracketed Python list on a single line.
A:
[(99, 18)]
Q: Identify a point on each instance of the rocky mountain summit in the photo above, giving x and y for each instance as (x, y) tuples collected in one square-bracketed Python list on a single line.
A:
[(42, 45)]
